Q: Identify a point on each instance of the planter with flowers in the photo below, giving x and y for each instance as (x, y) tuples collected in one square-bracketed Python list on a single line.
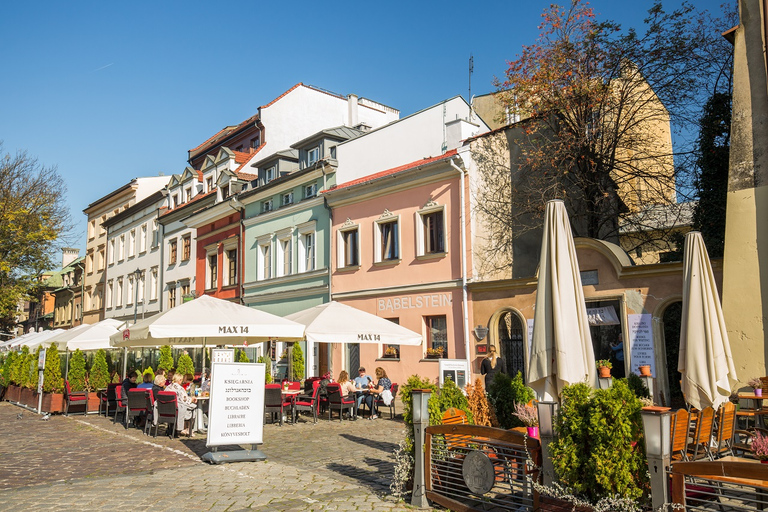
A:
[(391, 353), (529, 417), (435, 353), (604, 368), (757, 385), (760, 447)]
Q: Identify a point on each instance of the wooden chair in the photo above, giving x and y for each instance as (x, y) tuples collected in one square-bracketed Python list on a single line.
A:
[(726, 429), (380, 402), (699, 446), (754, 413), (680, 425)]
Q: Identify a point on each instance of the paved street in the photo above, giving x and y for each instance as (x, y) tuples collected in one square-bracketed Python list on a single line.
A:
[(87, 463)]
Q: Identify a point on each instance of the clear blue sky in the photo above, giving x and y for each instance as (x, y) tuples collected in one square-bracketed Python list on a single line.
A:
[(108, 91)]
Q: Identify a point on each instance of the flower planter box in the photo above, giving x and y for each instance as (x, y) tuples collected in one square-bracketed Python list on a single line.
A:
[(12, 393), (27, 397), (53, 402), (93, 402)]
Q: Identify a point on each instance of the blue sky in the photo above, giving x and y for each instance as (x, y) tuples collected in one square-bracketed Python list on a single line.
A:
[(110, 91)]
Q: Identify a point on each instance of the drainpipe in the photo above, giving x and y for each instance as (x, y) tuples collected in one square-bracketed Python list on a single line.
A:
[(236, 205), (329, 262), (464, 302)]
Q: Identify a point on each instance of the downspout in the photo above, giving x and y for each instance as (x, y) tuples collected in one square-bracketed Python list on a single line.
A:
[(464, 300), (236, 205), (329, 262)]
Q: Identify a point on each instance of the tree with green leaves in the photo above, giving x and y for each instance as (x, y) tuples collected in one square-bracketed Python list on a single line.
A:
[(33, 214), (52, 380), (20, 371), (99, 375), (34, 373), (298, 362), (185, 366), (242, 357), (6, 373), (149, 371), (76, 375), (268, 368), (166, 358)]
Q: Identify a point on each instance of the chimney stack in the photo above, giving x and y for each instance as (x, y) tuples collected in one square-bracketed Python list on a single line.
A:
[(68, 255), (352, 104)]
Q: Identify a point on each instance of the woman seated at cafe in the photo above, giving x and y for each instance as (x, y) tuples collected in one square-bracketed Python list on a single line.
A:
[(347, 386), (146, 382), (375, 390), (185, 403), (159, 384)]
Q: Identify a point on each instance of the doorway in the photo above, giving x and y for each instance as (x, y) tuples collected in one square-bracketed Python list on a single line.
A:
[(353, 358), (510, 336), (605, 330), (671, 320)]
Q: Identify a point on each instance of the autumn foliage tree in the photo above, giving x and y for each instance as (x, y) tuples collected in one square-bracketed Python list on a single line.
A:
[(597, 108)]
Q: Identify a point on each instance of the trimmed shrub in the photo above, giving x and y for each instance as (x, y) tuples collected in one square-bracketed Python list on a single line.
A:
[(99, 375), (17, 370), (166, 358), (242, 357), (52, 380), (268, 370), (76, 375), (6, 373), (503, 393), (451, 396), (185, 366), (147, 371), (482, 412), (34, 373), (298, 362)]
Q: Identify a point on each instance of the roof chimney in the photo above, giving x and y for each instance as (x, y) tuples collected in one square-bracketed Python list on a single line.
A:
[(68, 255), (352, 105)]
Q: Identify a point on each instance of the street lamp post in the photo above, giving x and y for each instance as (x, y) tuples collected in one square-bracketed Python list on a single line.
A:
[(656, 426), (547, 410), (137, 275)]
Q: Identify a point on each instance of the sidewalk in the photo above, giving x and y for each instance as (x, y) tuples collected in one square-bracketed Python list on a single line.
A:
[(88, 463)]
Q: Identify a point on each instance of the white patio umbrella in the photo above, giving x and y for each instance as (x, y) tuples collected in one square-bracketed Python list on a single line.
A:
[(208, 320), (7, 345), (705, 354), (33, 341), (334, 322), (87, 336), (561, 351)]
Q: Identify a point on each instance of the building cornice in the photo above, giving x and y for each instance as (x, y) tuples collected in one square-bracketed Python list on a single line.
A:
[(392, 290), (283, 210), (290, 294), (302, 276)]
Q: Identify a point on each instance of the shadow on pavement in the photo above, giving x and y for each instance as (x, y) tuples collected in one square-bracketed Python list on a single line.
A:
[(384, 446)]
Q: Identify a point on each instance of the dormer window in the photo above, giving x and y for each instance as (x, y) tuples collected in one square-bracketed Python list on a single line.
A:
[(313, 155), (255, 142), (287, 199), (266, 206), (188, 195), (209, 183), (239, 148), (310, 190), (269, 174), (224, 191), (175, 200)]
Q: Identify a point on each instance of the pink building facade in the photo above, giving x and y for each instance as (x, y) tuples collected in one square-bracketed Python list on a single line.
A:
[(396, 253)]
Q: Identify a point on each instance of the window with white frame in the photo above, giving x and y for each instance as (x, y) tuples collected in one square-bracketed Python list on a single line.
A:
[(89, 264), (111, 254), (284, 256), (121, 248), (313, 155), (92, 229), (153, 284), (132, 243), (143, 239), (430, 230), (100, 266), (264, 260), (187, 194), (269, 174), (230, 266), (287, 199), (310, 190), (155, 236), (110, 293), (213, 271), (102, 229), (387, 238), (349, 246), (140, 290), (209, 183), (119, 292), (437, 336), (130, 291), (307, 250), (266, 206)]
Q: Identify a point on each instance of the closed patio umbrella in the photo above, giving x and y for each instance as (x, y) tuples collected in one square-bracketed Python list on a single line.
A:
[(705, 361), (561, 351), (334, 322)]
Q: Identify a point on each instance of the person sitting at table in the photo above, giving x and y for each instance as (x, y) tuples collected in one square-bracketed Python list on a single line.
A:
[(188, 378), (129, 383), (375, 390), (159, 384), (206, 387), (186, 403), (169, 377), (347, 389), (147, 382), (361, 382)]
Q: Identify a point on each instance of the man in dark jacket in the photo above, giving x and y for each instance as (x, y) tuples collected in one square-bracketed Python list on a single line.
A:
[(129, 383)]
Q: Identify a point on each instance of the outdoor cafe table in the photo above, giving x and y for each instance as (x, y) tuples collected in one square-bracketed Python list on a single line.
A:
[(757, 401), (291, 393)]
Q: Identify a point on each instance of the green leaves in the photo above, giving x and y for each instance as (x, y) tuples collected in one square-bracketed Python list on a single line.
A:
[(52, 380), (76, 375)]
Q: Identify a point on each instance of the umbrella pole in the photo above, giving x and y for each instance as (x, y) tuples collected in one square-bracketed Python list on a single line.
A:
[(66, 365), (125, 362)]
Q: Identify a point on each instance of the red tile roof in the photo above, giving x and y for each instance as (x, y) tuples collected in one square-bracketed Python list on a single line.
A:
[(243, 159), (394, 170), (279, 97)]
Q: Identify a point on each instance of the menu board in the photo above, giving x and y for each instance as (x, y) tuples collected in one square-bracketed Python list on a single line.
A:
[(641, 342), (454, 369), (236, 412)]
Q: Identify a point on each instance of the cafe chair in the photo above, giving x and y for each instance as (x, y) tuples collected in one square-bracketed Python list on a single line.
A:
[(338, 402), (699, 445), (274, 403), (139, 404), (725, 430), (380, 403), (121, 402), (308, 403), (75, 397), (680, 425), (167, 412), (108, 398)]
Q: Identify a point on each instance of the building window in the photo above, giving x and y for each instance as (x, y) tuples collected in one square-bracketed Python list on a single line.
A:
[(389, 350), (102, 229), (186, 249), (119, 292), (232, 267), (121, 249), (185, 292), (209, 183), (269, 174), (132, 243), (213, 270), (155, 237), (92, 229), (313, 155), (187, 194), (111, 251), (284, 257), (175, 200), (430, 227), (287, 198), (101, 260), (130, 291), (265, 261), (350, 248), (89, 264), (140, 290), (255, 142), (388, 241), (171, 295), (266, 206), (307, 252), (224, 192), (153, 284), (310, 190), (172, 252), (143, 239), (110, 293), (437, 336)]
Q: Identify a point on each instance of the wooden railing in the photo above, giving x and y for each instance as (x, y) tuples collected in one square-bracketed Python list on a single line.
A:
[(730, 483)]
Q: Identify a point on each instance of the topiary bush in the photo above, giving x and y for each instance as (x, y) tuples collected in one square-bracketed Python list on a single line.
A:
[(76, 375), (598, 451), (451, 396), (34, 372), (6, 371), (17, 370), (166, 358), (26, 368), (268, 370), (99, 375), (185, 366), (147, 371), (242, 357), (52, 380), (637, 386), (298, 362), (503, 393)]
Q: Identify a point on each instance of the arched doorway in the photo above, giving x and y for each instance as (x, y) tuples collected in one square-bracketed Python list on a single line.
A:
[(671, 319), (509, 338)]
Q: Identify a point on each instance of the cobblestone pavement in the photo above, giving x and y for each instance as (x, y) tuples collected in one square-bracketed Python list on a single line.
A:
[(89, 463)]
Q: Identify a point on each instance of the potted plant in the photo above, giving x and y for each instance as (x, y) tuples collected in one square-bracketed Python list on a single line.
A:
[(604, 368), (53, 384), (9, 369), (645, 370), (166, 358), (391, 352), (530, 418), (434, 353), (760, 447), (76, 376), (756, 384), (185, 366)]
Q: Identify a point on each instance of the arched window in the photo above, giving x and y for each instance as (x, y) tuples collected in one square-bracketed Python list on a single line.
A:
[(509, 337)]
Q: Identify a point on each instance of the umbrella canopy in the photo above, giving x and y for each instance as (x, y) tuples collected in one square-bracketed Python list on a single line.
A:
[(333, 322), (87, 336), (7, 345), (208, 320), (705, 353), (561, 351), (33, 341)]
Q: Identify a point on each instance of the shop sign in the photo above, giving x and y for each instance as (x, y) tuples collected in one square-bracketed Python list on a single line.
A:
[(641, 342), (433, 300), (236, 411)]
